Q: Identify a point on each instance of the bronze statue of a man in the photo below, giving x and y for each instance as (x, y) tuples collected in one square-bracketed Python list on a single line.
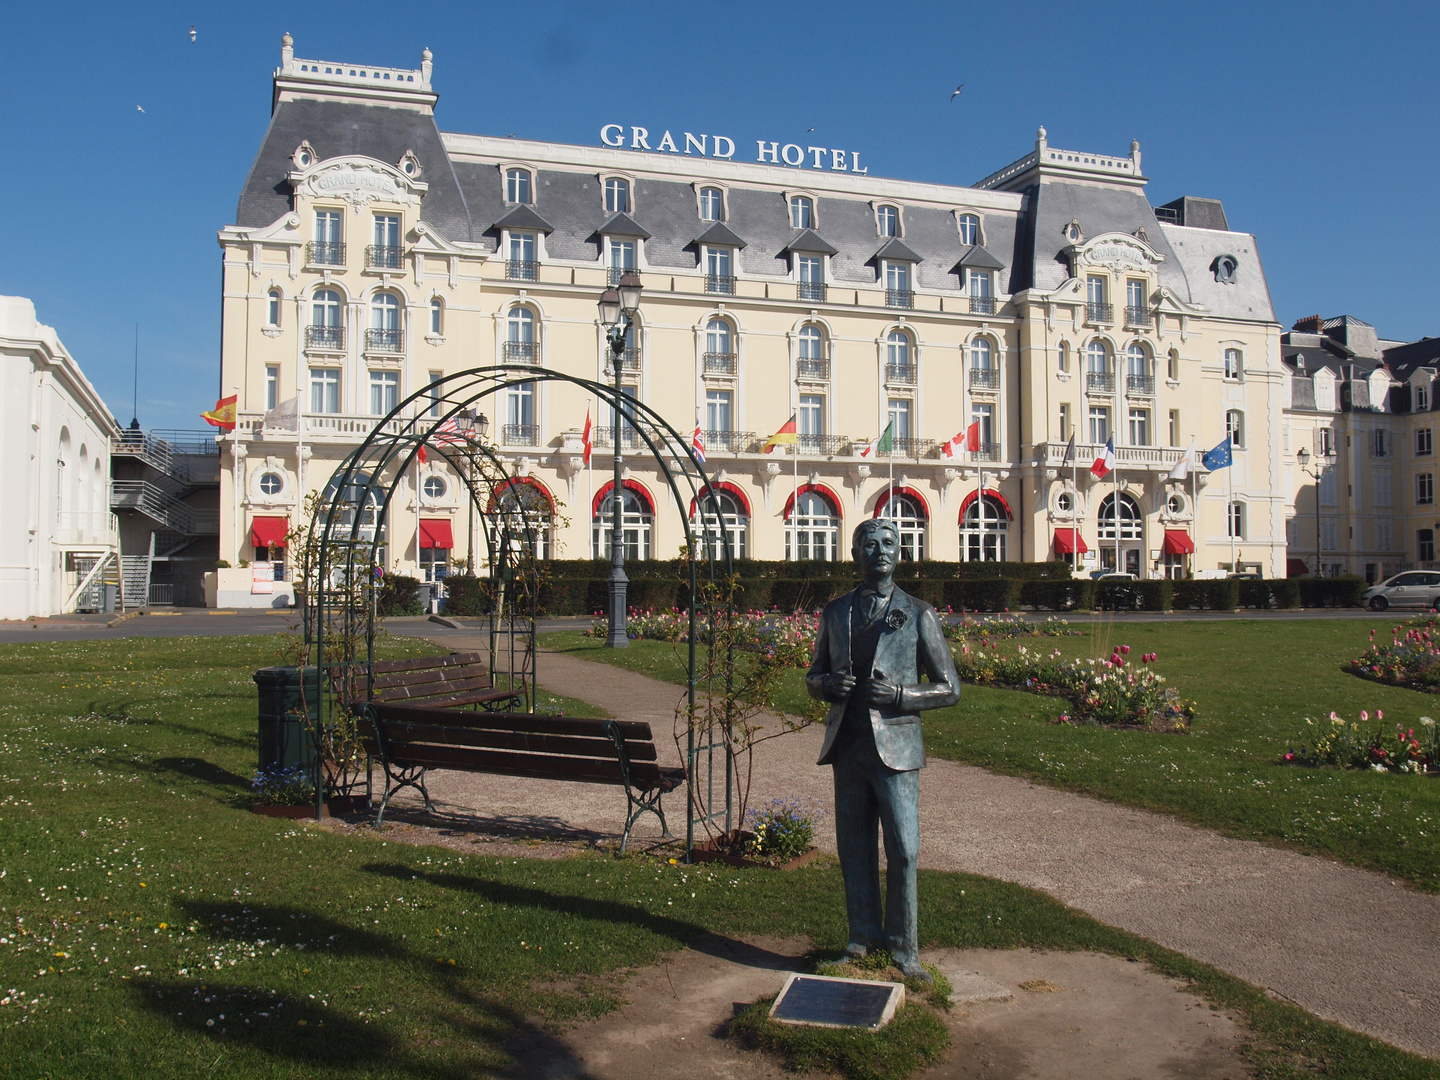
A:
[(873, 646)]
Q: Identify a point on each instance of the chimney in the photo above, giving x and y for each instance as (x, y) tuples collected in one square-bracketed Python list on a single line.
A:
[(1308, 325)]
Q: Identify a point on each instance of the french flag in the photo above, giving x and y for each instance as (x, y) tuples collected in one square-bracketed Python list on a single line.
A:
[(1105, 463)]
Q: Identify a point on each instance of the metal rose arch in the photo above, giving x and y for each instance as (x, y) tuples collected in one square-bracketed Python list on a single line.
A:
[(341, 568)]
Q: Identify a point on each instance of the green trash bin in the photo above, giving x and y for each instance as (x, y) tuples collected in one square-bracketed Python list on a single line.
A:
[(285, 739)]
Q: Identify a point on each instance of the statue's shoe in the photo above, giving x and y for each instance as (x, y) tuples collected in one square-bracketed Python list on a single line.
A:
[(911, 969), (856, 951)]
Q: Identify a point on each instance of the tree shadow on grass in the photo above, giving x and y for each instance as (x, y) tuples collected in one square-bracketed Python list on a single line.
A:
[(199, 769)]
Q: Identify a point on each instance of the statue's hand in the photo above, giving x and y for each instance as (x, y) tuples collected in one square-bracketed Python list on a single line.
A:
[(839, 685), (882, 690)]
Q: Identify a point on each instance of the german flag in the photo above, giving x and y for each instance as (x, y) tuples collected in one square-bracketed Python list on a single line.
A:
[(786, 436), (223, 415)]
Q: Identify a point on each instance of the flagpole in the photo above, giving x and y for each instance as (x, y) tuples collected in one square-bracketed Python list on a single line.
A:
[(1075, 517), (1194, 501), (590, 477), (1116, 509), (1229, 522), (980, 506), (795, 499)]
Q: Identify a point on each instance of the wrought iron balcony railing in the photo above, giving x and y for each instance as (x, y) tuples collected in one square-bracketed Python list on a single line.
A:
[(1137, 316), (984, 305), (328, 338), (520, 434), (720, 363), (812, 369), (811, 290), (900, 298), (1100, 382), (1099, 313), (384, 341), (605, 436), (522, 270), (384, 257), (900, 374), (617, 272), (989, 451), (984, 379), (912, 448), (325, 253), (822, 444), (728, 442), (1143, 385), (721, 284), (630, 360), (522, 352)]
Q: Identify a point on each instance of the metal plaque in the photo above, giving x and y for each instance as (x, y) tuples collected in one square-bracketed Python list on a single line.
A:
[(824, 1001)]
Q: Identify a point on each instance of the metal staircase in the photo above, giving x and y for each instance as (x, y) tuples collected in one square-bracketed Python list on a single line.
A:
[(164, 508), (135, 578)]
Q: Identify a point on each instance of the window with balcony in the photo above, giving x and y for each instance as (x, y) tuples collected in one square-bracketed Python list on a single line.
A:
[(1236, 520), (617, 196), (899, 358), (719, 410), (802, 212), (328, 247), (898, 293), (521, 346), (1139, 427), (327, 328), (622, 258), (384, 253), (517, 186), (272, 385), (1099, 378), (982, 299), (812, 277), (437, 316), (384, 392), (712, 204), (1233, 364), (1097, 303), (436, 392), (812, 528), (1424, 445), (272, 308), (899, 411), (325, 390), (1235, 428), (384, 335), (810, 361), (810, 424), (1138, 371), (969, 229), (1424, 489), (984, 374), (719, 347), (719, 271), (984, 415), (1099, 424), (1137, 310), (520, 428), (887, 220), (520, 264)]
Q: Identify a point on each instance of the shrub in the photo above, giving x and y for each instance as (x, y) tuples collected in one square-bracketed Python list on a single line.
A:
[(1059, 594), (399, 595), (1330, 592), (982, 594), (1133, 595), (284, 786), (465, 594), (783, 830), (1285, 592), (1219, 594)]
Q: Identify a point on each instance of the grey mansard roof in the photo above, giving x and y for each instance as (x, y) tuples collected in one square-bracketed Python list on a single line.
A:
[(335, 129)]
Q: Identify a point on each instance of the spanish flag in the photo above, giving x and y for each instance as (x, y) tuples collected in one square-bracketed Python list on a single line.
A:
[(784, 437), (223, 415)]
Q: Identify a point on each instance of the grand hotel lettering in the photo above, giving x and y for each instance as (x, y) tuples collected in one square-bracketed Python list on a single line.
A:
[(723, 148)]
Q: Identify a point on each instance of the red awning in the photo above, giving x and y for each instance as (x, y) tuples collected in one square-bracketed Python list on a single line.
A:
[(1296, 568), (435, 533), (1069, 542), (269, 531), (1178, 542)]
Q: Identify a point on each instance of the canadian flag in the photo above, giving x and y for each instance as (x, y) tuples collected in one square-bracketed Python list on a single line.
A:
[(585, 441), (972, 437), (969, 439), (1105, 463)]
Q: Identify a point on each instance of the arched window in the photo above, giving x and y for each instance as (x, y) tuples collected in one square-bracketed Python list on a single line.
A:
[(326, 309), (1062, 356), (712, 204), (636, 523), (617, 196), (1131, 520), (359, 515), (383, 334), (522, 515), (719, 516), (1097, 357), (1172, 365), (1234, 364), (1235, 428), (517, 185), (908, 513), (982, 354), (82, 489), (520, 344), (811, 353), (1137, 361), (437, 315), (985, 530), (719, 347), (272, 308), (897, 348), (812, 529), (969, 229), (802, 212), (887, 219)]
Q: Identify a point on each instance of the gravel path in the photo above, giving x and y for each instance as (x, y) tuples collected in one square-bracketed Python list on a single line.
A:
[(1348, 945)]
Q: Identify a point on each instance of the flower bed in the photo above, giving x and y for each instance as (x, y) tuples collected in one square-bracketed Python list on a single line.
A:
[(1358, 746), (789, 637), (1114, 692), (990, 627), (1410, 659)]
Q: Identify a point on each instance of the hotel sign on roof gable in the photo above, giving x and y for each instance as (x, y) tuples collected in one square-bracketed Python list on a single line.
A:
[(360, 181), (722, 147), (1117, 251)]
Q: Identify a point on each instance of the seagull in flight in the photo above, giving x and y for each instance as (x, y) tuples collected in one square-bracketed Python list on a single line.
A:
[(141, 109), (192, 35), (957, 91), (809, 130)]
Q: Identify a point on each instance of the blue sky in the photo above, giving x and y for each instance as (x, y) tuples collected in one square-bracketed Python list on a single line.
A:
[(1315, 123)]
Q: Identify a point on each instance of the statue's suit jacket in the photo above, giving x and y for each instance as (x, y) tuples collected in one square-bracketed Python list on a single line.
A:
[(911, 643)]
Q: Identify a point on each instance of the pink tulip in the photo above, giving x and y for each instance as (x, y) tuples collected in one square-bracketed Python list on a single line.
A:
[(1379, 714), (1364, 716)]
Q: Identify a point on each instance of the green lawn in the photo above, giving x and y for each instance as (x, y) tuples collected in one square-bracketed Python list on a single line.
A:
[(150, 925), (1254, 684)]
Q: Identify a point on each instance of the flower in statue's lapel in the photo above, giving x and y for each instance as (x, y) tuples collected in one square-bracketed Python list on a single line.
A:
[(896, 619)]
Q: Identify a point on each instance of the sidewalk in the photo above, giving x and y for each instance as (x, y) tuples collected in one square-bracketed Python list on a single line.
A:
[(1348, 945)]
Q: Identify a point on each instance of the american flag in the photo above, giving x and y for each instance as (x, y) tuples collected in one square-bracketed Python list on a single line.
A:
[(449, 434)]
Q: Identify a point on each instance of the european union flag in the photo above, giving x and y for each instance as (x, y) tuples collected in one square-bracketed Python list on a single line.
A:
[(1219, 458)]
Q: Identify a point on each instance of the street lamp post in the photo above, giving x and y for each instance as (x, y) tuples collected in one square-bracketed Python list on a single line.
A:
[(1303, 457), (618, 307), (469, 422)]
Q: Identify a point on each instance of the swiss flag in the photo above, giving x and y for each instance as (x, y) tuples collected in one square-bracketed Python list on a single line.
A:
[(1105, 463), (585, 437)]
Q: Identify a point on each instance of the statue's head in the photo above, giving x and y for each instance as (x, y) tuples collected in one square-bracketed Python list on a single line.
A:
[(875, 548)]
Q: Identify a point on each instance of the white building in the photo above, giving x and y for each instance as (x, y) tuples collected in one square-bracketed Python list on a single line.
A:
[(59, 542)]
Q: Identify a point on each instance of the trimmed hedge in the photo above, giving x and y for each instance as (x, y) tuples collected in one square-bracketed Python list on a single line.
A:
[(1133, 595), (1213, 594), (466, 595), (1331, 592), (809, 570), (1076, 594), (1284, 592)]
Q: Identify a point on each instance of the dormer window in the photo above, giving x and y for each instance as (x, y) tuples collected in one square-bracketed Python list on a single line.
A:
[(969, 229), (719, 270), (617, 196), (887, 220), (1224, 268), (712, 204), (898, 290), (802, 212), (812, 276), (1422, 397), (520, 262), (517, 186), (622, 258)]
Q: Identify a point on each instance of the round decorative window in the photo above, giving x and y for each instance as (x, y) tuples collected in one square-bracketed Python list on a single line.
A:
[(434, 487), (1064, 502), (305, 158), (409, 167), (1175, 504), (272, 483)]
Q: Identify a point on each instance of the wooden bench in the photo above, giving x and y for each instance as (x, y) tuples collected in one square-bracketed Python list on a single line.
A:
[(461, 678), (410, 739)]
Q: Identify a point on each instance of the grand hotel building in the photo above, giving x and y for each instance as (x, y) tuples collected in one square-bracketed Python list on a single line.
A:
[(371, 252)]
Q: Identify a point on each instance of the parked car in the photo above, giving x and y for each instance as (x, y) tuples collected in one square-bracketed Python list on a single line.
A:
[(1248, 575), (1112, 575), (1410, 589)]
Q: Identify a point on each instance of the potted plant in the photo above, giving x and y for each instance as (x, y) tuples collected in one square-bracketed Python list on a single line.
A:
[(285, 792)]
